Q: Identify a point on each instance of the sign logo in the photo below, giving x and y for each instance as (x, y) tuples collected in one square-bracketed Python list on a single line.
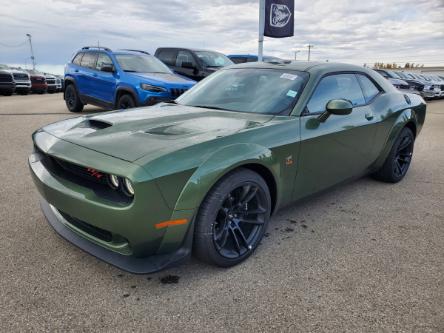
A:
[(279, 15), (94, 173)]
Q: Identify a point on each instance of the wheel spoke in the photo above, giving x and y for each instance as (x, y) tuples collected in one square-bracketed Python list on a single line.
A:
[(250, 221), (258, 210), (236, 241), (405, 143), (224, 237), (398, 168), (244, 239), (249, 196), (245, 190)]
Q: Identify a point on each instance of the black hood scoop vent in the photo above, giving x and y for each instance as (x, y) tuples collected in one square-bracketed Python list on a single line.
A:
[(95, 124)]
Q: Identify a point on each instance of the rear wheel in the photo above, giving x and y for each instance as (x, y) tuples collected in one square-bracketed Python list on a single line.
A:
[(398, 161), (72, 99), (232, 219), (126, 102)]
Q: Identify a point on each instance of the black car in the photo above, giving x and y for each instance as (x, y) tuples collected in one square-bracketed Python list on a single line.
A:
[(7, 83), (192, 63)]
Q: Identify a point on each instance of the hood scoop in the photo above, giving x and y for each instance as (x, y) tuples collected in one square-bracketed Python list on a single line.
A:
[(95, 124)]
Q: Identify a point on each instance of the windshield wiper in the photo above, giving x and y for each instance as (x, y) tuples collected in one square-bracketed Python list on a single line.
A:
[(210, 107)]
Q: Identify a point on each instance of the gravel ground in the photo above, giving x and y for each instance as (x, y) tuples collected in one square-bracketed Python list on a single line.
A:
[(364, 257)]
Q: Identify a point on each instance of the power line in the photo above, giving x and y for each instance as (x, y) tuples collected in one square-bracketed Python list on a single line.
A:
[(9, 45)]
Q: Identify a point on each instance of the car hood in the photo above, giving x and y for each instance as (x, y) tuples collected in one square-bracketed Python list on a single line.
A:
[(156, 131), (162, 78)]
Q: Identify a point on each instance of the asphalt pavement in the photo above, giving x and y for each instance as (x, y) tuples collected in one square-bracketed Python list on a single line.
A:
[(363, 257)]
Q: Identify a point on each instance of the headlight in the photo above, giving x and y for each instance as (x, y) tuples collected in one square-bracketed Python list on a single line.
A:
[(152, 88), (129, 189), (114, 181), (427, 87)]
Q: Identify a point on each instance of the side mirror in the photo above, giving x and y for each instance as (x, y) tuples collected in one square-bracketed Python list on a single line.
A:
[(340, 107), (107, 68)]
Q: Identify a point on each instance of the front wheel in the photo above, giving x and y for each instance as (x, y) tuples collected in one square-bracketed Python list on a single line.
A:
[(125, 102), (72, 100), (398, 161), (232, 219)]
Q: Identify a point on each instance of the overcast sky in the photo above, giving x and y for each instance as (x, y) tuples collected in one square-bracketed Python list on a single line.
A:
[(340, 30)]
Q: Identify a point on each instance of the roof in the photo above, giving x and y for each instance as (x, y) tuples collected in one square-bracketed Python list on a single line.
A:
[(303, 66)]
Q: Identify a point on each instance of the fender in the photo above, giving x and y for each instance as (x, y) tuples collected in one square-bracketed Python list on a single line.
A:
[(218, 165), (126, 89), (70, 80), (404, 118)]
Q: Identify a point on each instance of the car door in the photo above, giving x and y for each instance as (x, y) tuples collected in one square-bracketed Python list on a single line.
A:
[(103, 84), (87, 66), (186, 65), (341, 147)]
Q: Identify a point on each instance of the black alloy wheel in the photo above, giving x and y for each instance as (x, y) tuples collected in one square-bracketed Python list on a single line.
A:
[(126, 102)]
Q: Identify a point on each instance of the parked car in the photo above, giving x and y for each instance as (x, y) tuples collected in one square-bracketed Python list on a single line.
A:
[(397, 81), (119, 79), (51, 82), (243, 58), (140, 189), (38, 82), (429, 89), (7, 83), (192, 63), (58, 84), (22, 81)]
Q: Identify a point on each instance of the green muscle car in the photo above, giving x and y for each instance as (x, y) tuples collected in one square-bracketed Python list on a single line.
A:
[(144, 188)]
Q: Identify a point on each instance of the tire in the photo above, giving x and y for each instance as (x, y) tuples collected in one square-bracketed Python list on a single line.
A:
[(72, 100), (8, 93), (223, 235), (125, 102), (398, 161)]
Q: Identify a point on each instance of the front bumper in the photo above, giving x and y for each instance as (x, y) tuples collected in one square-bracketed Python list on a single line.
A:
[(130, 264), (76, 210)]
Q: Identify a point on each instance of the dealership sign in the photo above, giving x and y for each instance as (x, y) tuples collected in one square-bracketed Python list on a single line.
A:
[(279, 18)]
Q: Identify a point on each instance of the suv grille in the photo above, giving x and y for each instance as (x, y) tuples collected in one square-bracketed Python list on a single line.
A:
[(50, 81), (5, 78), (176, 92), (38, 79), (20, 76)]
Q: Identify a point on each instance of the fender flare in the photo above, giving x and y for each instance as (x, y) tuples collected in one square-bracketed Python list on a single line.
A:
[(221, 163), (405, 118), (126, 89), (72, 81)]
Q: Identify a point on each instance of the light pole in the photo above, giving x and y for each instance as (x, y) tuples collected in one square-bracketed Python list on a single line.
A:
[(296, 54), (309, 50), (32, 51)]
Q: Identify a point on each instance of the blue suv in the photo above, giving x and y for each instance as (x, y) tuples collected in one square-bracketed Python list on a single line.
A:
[(119, 79)]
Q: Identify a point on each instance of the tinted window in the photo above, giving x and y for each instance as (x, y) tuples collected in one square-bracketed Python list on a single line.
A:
[(185, 57), (341, 86), (77, 58), (89, 60), (239, 60), (369, 88), (141, 63), (213, 59), (252, 90), (168, 57), (102, 60)]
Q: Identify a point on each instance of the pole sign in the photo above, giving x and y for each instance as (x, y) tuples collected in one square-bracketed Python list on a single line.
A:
[(279, 18)]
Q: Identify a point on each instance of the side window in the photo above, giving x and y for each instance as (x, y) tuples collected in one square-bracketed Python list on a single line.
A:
[(103, 59), (185, 59), (89, 60), (339, 86), (168, 57), (77, 58), (238, 60), (369, 88)]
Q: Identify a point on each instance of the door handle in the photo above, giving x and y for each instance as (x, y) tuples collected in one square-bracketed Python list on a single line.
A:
[(369, 115)]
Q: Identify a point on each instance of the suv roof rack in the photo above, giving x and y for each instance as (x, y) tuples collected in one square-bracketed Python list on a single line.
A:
[(96, 47), (140, 51)]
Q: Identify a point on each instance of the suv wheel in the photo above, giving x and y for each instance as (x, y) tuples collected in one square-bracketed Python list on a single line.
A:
[(125, 102), (72, 99), (232, 219)]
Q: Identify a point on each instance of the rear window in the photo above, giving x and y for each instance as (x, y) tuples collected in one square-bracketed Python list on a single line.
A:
[(368, 87), (167, 56), (89, 60), (77, 58)]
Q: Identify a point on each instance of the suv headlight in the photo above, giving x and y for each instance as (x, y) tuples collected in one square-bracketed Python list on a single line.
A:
[(152, 88)]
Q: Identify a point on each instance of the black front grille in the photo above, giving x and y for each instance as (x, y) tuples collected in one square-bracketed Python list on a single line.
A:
[(86, 177), (176, 92), (20, 76), (88, 228), (5, 78), (50, 81)]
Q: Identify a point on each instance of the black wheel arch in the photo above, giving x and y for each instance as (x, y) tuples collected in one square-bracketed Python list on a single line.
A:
[(125, 90)]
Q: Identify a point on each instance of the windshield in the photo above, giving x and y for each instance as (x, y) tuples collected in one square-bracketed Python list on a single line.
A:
[(214, 59), (141, 64), (267, 91)]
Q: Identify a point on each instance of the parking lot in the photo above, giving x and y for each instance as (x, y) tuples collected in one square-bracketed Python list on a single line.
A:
[(363, 257)]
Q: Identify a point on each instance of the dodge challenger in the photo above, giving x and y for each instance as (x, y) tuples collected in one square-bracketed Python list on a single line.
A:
[(145, 188)]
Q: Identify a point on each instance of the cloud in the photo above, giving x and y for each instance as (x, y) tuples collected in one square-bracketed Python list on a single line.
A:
[(341, 30)]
